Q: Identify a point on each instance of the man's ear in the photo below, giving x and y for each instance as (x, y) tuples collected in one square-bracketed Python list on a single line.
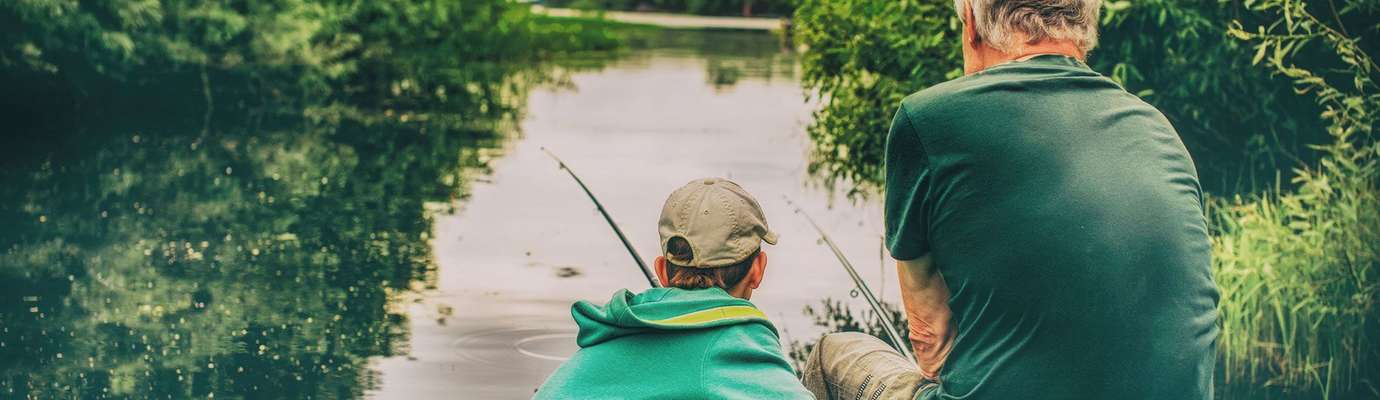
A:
[(660, 266), (970, 33), (759, 268)]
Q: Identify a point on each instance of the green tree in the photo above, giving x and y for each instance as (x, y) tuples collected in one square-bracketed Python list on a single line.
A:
[(66, 54)]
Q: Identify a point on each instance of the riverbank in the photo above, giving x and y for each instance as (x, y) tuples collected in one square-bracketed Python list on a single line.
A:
[(667, 20)]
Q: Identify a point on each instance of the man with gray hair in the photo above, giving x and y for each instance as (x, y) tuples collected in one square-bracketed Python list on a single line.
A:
[(1048, 228)]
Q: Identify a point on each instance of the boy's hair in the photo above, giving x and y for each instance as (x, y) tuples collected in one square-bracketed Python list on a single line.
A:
[(703, 278)]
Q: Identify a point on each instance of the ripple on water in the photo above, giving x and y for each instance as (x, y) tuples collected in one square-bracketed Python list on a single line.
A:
[(512, 347)]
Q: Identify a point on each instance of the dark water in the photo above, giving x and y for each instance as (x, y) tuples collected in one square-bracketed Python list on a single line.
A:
[(256, 254)]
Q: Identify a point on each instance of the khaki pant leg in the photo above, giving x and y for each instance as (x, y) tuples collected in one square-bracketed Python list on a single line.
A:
[(856, 366)]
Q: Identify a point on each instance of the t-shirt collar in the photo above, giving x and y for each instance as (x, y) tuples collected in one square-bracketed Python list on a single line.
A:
[(1043, 58)]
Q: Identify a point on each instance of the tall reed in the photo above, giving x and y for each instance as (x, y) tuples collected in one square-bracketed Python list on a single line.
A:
[(1299, 269)]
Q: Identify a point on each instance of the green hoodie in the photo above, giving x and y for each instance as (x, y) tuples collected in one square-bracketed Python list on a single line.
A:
[(669, 343)]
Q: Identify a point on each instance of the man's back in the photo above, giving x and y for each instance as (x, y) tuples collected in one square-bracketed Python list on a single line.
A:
[(670, 343), (1065, 216)]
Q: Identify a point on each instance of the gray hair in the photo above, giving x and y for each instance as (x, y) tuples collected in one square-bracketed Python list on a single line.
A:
[(997, 21)]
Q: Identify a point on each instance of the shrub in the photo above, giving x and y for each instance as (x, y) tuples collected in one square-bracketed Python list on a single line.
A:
[(1300, 269), (862, 58)]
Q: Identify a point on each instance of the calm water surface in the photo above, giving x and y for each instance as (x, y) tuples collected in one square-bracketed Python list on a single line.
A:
[(167, 255), (528, 242)]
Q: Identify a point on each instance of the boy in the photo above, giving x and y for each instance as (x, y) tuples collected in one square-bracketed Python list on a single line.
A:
[(699, 336)]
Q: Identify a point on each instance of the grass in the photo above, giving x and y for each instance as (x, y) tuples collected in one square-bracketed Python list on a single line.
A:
[(588, 33), (1299, 282)]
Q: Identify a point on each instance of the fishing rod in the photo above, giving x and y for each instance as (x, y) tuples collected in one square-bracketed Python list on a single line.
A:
[(887, 324), (645, 271)]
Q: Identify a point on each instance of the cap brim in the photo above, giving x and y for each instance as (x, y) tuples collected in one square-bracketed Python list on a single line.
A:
[(770, 238)]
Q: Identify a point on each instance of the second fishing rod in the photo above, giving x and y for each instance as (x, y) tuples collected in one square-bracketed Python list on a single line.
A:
[(887, 325)]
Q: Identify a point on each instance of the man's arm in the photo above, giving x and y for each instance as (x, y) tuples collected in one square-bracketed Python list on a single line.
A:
[(926, 299), (923, 291)]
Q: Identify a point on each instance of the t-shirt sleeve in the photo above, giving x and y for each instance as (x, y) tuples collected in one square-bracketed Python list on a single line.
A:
[(907, 185)]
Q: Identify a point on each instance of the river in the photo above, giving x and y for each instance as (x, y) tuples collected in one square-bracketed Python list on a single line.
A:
[(332, 252), (528, 242)]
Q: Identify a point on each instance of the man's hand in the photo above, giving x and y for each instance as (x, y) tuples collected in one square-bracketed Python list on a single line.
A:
[(926, 299)]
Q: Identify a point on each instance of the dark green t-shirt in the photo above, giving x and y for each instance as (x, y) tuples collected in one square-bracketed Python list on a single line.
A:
[(1066, 217)]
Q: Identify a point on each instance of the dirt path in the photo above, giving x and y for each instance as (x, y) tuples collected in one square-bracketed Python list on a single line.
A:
[(681, 21)]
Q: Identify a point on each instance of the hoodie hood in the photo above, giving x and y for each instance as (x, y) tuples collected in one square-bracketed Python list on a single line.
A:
[(661, 310)]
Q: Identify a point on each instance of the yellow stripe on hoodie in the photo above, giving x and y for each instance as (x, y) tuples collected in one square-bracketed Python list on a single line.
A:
[(711, 315)]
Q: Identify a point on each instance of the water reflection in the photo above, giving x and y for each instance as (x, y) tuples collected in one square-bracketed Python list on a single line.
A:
[(256, 257), (726, 56)]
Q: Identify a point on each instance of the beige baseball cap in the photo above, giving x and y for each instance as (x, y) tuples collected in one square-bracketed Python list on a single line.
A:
[(722, 223)]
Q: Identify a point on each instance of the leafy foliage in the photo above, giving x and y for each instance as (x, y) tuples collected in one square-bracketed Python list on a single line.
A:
[(85, 41), (1241, 124), (74, 53), (1300, 269), (703, 7), (863, 57)]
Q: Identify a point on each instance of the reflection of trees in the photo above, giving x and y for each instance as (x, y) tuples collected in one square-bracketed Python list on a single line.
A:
[(728, 56), (731, 56), (723, 75), (225, 197), (257, 260)]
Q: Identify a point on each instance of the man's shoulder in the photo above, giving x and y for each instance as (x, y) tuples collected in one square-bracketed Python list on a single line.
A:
[(972, 98), (948, 99), (935, 96)]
